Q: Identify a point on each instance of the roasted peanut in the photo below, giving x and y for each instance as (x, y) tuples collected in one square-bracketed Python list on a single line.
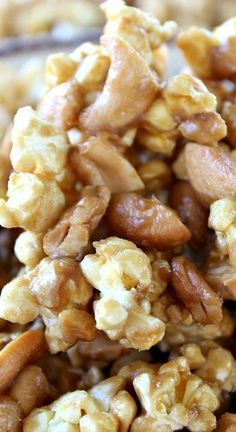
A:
[(31, 389), (192, 289), (211, 171), (204, 128), (228, 113), (184, 200), (110, 111), (67, 99), (75, 325), (10, 415), (17, 353), (227, 423), (71, 234), (146, 221), (223, 60), (98, 162)]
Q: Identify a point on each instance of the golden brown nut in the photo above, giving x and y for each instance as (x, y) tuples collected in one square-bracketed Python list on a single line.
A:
[(196, 44), (100, 349), (61, 105), (10, 415), (17, 353), (198, 297), (76, 324), (227, 423), (146, 221), (184, 200), (229, 115), (31, 389), (204, 128), (98, 162), (220, 275), (71, 234), (211, 171), (5, 167), (110, 110), (223, 59)]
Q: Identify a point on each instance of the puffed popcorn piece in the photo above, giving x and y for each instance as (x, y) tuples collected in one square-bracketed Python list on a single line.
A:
[(57, 291), (223, 220), (34, 203), (59, 68), (92, 70), (17, 304), (29, 248), (221, 275), (186, 95), (210, 54), (165, 408), (212, 363), (117, 270), (105, 408), (177, 334), (38, 146)]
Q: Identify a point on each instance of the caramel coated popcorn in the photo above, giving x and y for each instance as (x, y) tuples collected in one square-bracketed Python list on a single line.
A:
[(118, 250), (57, 291), (116, 270), (87, 411), (164, 407)]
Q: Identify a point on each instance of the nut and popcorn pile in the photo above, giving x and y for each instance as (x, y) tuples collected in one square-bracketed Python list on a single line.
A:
[(118, 238)]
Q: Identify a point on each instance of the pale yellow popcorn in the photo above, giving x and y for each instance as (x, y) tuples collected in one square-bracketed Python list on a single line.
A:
[(56, 291), (29, 248), (223, 220), (91, 73), (179, 334), (158, 118), (116, 270), (17, 303), (33, 203), (99, 422), (38, 146), (127, 22), (165, 408), (158, 142), (200, 46), (186, 95), (59, 68), (83, 411), (219, 368)]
